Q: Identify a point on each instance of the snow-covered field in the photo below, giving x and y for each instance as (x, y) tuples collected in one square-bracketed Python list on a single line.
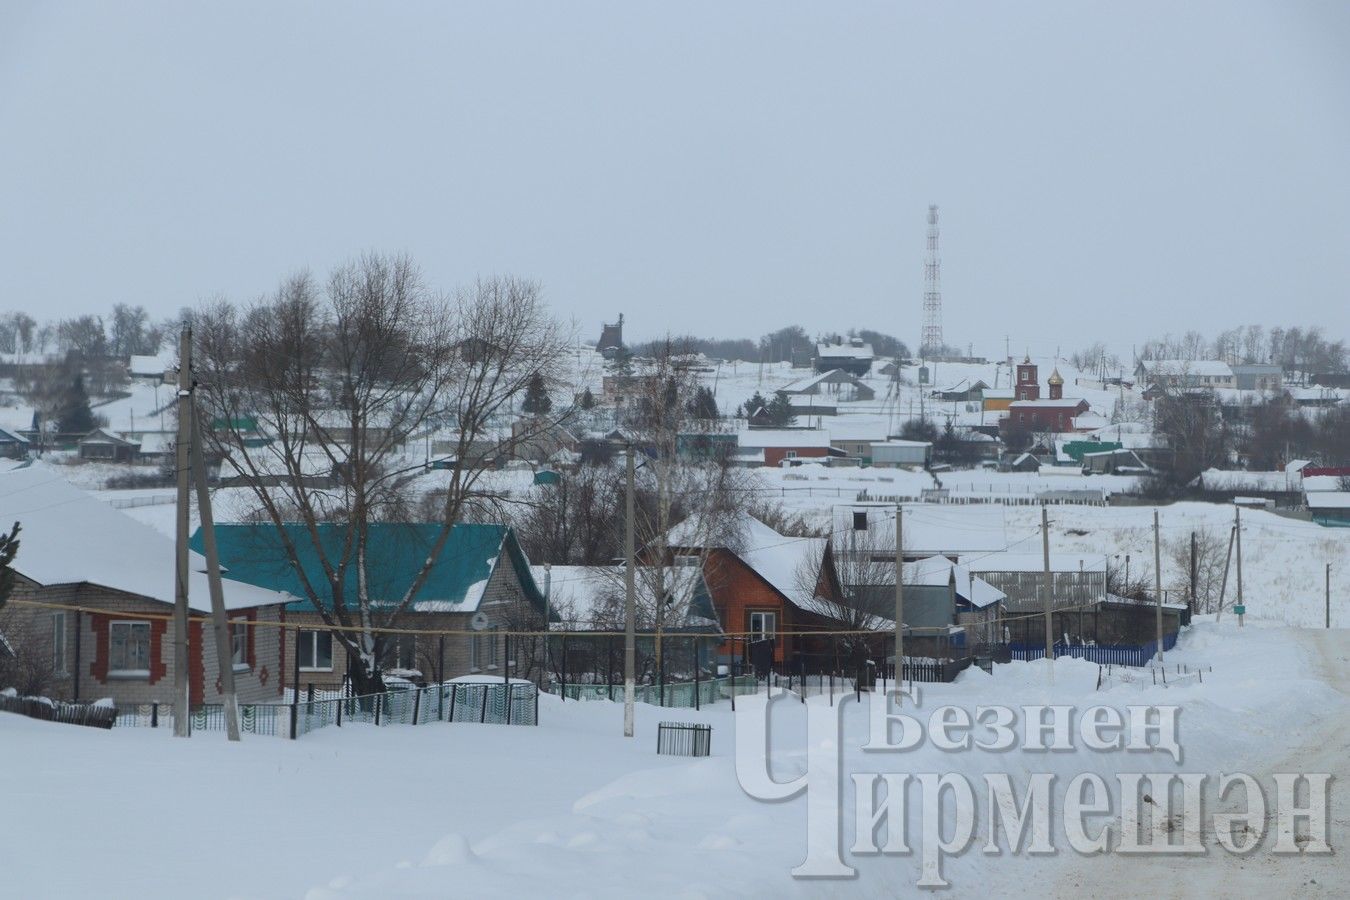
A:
[(573, 809)]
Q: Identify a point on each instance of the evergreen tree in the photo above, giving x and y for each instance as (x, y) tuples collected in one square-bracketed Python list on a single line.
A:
[(76, 417), (587, 400), (703, 405), (780, 411), (537, 401)]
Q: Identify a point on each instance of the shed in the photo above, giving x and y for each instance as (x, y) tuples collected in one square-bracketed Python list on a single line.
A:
[(894, 453), (106, 446)]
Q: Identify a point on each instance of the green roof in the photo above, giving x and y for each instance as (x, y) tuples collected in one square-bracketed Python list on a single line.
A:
[(253, 553)]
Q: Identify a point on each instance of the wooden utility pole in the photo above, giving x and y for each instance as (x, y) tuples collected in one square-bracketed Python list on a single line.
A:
[(629, 605), (1227, 561), (1157, 584), (224, 642), (1191, 604), (899, 600), (1237, 532), (1046, 585), (181, 700)]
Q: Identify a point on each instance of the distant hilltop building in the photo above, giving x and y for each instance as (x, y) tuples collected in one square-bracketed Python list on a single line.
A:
[(611, 338), (855, 357)]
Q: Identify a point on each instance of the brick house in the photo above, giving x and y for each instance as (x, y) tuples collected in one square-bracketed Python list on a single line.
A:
[(480, 569), (94, 598), (767, 586), (787, 444)]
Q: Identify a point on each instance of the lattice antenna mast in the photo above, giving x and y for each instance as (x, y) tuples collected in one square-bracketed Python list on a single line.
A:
[(931, 342)]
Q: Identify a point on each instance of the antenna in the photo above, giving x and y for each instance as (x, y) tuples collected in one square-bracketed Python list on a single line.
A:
[(932, 293)]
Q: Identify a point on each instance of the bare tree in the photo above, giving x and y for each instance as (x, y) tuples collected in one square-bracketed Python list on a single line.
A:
[(1211, 550), (336, 383), (865, 565)]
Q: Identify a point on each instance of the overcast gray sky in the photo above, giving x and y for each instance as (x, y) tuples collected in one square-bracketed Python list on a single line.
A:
[(1103, 170)]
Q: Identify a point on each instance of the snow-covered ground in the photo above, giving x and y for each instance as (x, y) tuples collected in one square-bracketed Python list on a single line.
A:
[(573, 809)]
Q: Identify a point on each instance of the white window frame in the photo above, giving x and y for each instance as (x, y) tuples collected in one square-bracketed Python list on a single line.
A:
[(59, 643), (791, 454), (687, 561), (133, 624), (312, 636), (766, 617), (238, 648)]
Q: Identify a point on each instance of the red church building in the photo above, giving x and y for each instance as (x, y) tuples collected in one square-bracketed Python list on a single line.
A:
[(1030, 412)]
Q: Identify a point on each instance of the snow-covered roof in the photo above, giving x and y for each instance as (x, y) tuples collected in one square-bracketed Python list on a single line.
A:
[(929, 529), (844, 351), (1317, 483), (1046, 403), (856, 428), (936, 571), (70, 537), (149, 366), (1035, 562), (783, 437), (897, 442), (1203, 368), (805, 384), (592, 596), (1329, 500), (780, 560), (1228, 480)]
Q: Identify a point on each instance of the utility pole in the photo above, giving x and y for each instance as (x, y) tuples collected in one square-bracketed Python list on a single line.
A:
[(899, 601), (1328, 595), (1191, 604), (1227, 562), (224, 644), (181, 700), (1045, 585), (629, 606), (1157, 582), (1237, 531)]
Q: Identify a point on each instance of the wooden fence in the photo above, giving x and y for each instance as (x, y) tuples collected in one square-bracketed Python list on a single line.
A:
[(59, 711)]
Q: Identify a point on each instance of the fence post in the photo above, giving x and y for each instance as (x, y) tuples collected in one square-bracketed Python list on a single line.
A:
[(454, 693), (378, 698), (417, 704), (482, 716), (154, 715), (698, 684), (339, 703), (440, 677), (295, 686)]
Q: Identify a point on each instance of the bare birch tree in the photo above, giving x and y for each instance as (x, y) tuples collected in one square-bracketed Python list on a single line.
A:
[(312, 398)]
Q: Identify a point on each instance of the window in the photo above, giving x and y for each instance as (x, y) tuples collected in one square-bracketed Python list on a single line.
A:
[(129, 648), (1026, 376), (860, 520), (316, 651), (686, 561), (59, 643), (403, 652), (483, 650), (763, 625), (791, 454), (239, 645)]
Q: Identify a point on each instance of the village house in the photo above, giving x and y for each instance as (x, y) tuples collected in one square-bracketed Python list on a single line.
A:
[(780, 445), (766, 587), (13, 445), (853, 356), (835, 385), (584, 599), (1185, 374), (104, 446), (480, 569), (95, 595)]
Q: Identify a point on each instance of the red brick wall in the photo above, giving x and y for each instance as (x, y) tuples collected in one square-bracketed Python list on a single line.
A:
[(774, 456)]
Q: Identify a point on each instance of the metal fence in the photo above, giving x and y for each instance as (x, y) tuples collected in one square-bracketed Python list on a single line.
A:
[(487, 703), (1130, 655), (683, 739), (679, 695), (47, 710)]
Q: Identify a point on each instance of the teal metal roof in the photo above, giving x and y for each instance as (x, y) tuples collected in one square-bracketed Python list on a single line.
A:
[(252, 553)]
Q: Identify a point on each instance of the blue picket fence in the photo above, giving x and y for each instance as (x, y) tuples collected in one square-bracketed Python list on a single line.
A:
[(1129, 655)]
